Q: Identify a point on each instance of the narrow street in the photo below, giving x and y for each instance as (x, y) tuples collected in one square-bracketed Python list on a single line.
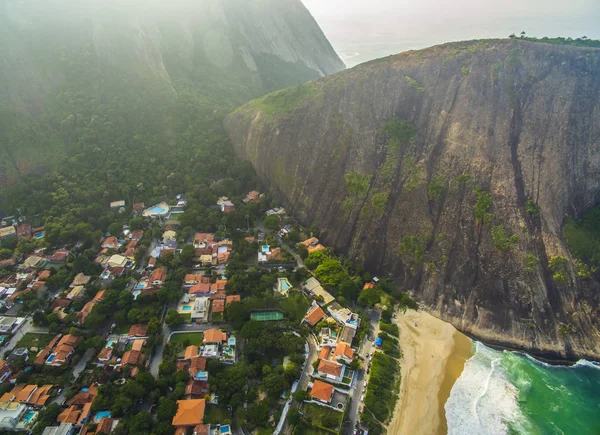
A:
[(365, 348), (25, 327)]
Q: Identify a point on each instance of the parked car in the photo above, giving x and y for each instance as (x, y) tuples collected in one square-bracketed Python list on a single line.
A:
[(362, 398)]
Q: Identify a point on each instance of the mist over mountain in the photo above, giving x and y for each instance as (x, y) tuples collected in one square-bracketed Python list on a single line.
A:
[(69, 66)]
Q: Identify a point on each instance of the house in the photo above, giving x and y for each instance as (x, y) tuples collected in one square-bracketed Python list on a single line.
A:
[(138, 330), (136, 235), (347, 335), (7, 232), (98, 296), (343, 353), (192, 279), (28, 394), (253, 197), (344, 315), (117, 205), (32, 262), (190, 413), (232, 298), (80, 280), (117, 261), (197, 368), (151, 263), (17, 353), (200, 289), (105, 355), (321, 391), (313, 286), (106, 425), (43, 275), (111, 242), (312, 245), (369, 285), (138, 208), (214, 336), (133, 358), (279, 211), (5, 370), (59, 256), (169, 235), (225, 204), (24, 231), (158, 277), (190, 352), (314, 316), (330, 370), (203, 240), (58, 352), (63, 429), (86, 311), (266, 254), (218, 306), (196, 389), (75, 292)]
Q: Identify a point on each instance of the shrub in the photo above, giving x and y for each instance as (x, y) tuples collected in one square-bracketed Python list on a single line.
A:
[(414, 84), (482, 204), (398, 132), (530, 261), (414, 247), (464, 71), (558, 265), (436, 186), (379, 201), (390, 328), (532, 208), (358, 184), (501, 239)]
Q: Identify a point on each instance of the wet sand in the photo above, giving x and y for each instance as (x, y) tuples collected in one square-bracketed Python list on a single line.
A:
[(434, 355)]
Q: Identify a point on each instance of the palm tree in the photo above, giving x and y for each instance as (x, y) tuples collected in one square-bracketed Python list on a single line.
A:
[(523, 34)]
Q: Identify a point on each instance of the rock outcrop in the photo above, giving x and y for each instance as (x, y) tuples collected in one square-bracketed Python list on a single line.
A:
[(451, 170)]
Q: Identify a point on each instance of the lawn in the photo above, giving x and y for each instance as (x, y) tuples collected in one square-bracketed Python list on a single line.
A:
[(216, 414), (187, 318), (322, 417), (194, 338), (31, 339)]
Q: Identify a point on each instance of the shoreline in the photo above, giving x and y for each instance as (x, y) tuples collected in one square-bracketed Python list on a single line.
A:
[(434, 355)]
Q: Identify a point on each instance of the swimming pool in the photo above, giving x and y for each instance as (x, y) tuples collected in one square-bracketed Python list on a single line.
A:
[(109, 343), (285, 285), (136, 293), (105, 275), (85, 390), (141, 286), (224, 429), (51, 358), (264, 249), (101, 414), (29, 416), (186, 308), (40, 235), (157, 210), (232, 341)]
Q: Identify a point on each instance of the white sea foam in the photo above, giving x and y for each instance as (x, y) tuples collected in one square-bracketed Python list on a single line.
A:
[(586, 363), (482, 401)]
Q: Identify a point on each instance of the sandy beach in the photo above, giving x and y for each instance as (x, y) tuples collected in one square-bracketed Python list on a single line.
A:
[(434, 354)]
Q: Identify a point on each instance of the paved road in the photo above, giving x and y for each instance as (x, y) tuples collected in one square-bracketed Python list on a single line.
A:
[(25, 327), (357, 392)]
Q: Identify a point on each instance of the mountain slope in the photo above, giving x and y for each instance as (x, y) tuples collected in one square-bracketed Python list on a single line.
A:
[(451, 169), (68, 65)]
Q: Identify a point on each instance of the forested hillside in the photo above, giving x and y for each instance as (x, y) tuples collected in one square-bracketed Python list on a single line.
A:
[(127, 76)]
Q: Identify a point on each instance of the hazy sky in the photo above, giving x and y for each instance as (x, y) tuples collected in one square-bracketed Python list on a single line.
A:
[(361, 30)]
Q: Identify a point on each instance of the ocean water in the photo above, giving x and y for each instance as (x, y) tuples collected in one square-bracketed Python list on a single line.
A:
[(503, 392)]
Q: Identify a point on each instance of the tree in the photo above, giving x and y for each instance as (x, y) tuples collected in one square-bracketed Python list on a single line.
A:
[(369, 297), (5, 253), (258, 413), (271, 223), (154, 327), (302, 251), (294, 416), (115, 229), (173, 319)]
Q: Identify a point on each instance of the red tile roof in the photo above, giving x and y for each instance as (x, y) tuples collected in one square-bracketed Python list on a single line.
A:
[(138, 330), (322, 391), (330, 368), (189, 413), (233, 298), (314, 316), (218, 306)]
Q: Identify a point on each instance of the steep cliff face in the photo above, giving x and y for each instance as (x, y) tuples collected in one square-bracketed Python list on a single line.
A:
[(66, 59), (451, 170)]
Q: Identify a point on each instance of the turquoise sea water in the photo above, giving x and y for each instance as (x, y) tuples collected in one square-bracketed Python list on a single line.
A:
[(502, 392)]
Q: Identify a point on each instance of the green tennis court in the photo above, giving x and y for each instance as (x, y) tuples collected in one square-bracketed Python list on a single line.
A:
[(263, 316)]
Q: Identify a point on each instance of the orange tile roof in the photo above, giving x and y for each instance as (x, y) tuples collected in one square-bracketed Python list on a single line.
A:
[(193, 277), (24, 394), (311, 248), (233, 298), (85, 412), (201, 429), (104, 426), (308, 242), (44, 275), (218, 306), (314, 316), (138, 330), (12, 394), (110, 241), (214, 336), (105, 353), (197, 364), (330, 368), (132, 357), (41, 395), (324, 352), (220, 284), (191, 351), (201, 237), (322, 391), (138, 344), (189, 412), (159, 274), (99, 296), (369, 285), (69, 415), (343, 349), (200, 288)]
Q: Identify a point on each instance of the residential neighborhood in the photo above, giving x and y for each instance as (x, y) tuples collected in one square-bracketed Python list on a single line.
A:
[(210, 329)]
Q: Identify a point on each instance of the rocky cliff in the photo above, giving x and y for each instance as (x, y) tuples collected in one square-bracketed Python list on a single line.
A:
[(451, 170), (70, 59)]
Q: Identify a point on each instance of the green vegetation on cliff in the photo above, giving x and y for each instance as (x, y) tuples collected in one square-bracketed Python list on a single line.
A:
[(583, 237), (358, 184)]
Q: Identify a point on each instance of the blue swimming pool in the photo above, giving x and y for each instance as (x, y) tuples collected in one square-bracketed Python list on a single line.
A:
[(157, 210), (186, 308), (141, 286), (40, 235), (99, 415), (109, 343), (85, 390), (224, 429), (29, 416), (51, 358), (136, 293), (285, 285)]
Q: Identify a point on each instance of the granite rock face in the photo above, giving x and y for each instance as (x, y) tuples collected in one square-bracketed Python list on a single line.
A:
[(450, 170)]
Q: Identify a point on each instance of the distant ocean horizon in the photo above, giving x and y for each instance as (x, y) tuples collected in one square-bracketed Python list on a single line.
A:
[(359, 34)]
